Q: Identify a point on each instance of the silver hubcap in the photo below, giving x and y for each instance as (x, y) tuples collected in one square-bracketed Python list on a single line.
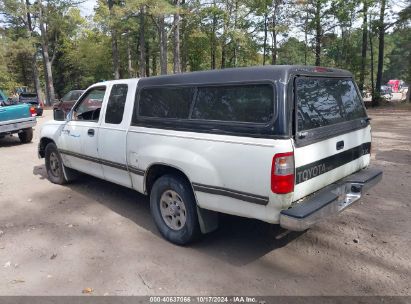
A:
[(54, 164), (173, 210)]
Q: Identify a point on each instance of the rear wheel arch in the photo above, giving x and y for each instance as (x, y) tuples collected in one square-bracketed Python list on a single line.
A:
[(155, 171), (208, 219)]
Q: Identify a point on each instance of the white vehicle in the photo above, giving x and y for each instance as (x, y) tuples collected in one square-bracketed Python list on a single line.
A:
[(288, 145)]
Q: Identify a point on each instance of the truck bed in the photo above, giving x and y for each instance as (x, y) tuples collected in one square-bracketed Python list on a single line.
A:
[(16, 117)]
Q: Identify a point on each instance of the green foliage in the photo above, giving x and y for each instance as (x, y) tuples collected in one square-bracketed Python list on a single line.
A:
[(221, 30), (293, 51), (399, 58)]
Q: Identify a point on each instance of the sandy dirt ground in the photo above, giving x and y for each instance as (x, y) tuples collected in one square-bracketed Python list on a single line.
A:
[(59, 240)]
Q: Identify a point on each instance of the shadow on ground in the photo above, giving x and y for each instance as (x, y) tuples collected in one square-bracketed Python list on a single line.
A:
[(9, 141), (238, 241)]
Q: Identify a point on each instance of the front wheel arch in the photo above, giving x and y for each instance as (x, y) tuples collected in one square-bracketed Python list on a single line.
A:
[(44, 141)]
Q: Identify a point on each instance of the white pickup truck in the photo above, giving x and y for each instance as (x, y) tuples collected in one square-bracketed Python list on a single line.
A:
[(283, 144)]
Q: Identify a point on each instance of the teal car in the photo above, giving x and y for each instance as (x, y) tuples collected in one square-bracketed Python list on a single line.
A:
[(18, 118)]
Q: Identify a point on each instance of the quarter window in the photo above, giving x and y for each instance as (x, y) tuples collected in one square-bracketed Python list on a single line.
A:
[(116, 103), (166, 102), (245, 103)]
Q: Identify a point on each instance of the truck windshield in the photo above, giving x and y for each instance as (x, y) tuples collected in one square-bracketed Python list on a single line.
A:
[(326, 101)]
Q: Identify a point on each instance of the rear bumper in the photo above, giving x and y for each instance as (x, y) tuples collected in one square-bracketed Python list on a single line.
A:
[(330, 201), (14, 126)]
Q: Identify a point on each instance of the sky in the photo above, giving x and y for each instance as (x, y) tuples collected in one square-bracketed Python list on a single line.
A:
[(87, 7)]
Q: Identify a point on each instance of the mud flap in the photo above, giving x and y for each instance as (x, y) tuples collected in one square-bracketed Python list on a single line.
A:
[(208, 220)]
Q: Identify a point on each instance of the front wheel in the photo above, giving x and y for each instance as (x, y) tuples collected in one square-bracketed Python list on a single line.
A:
[(174, 209), (54, 165)]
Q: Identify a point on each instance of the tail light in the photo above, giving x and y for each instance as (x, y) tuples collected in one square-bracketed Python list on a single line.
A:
[(282, 173), (321, 69), (33, 111)]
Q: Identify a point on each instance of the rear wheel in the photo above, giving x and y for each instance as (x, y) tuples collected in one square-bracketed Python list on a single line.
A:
[(174, 209), (26, 136), (54, 165)]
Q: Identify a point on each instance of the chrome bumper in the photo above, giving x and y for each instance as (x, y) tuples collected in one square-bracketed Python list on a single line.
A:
[(329, 201), (17, 125)]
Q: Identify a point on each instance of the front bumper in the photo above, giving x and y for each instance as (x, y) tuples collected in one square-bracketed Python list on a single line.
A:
[(329, 201)]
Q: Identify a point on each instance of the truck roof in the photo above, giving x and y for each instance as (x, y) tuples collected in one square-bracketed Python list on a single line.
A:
[(258, 73), (280, 73)]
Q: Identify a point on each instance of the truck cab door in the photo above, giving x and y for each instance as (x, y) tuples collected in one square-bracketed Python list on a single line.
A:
[(78, 143), (113, 134)]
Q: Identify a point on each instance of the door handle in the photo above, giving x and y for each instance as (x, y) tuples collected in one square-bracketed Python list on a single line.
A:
[(90, 132), (340, 145)]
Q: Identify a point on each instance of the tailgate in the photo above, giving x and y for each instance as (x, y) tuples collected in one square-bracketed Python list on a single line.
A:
[(333, 135), (14, 112)]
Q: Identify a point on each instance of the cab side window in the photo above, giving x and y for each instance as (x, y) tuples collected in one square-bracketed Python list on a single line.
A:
[(116, 103), (90, 106), (238, 103), (166, 102)]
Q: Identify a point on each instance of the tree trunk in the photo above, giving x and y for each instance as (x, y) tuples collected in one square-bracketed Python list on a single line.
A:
[(213, 45), (29, 30), (318, 33), (274, 46), (372, 68), (274, 33), (235, 40), (154, 61), (381, 32), (306, 38), (142, 43), (163, 45), (184, 45), (46, 59), (224, 42), (176, 40), (364, 45), (265, 37), (114, 44), (148, 59), (129, 61), (36, 77)]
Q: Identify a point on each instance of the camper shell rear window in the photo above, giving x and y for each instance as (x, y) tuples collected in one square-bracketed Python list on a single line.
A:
[(326, 101)]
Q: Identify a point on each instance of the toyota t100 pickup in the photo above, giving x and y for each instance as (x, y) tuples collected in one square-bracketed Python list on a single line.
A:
[(283, 144), (19, 118)]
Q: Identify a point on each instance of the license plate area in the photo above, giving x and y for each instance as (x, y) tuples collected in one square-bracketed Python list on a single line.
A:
[(347, 194)]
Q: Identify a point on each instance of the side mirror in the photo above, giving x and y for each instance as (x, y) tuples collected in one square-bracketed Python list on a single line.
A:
[(59, 115)]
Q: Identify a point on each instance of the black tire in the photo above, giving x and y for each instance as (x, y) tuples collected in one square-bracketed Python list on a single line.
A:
[(54, 165), (26, 136), (188, 232)]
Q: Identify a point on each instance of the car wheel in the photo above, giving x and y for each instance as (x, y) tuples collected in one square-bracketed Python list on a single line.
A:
[(174, 209), (26, 136), (54, 165)]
